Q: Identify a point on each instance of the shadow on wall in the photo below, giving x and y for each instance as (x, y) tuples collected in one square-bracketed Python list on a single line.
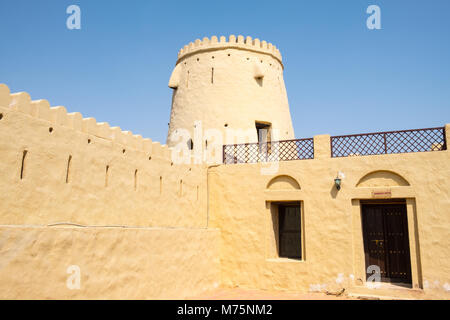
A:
[(334, 191), (274, 215)]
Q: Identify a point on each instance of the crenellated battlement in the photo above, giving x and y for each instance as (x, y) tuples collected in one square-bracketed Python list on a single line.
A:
[(62, 167), (239, 42), (58, 115)]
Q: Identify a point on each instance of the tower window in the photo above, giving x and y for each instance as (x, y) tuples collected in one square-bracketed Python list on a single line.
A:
[(263, 131)]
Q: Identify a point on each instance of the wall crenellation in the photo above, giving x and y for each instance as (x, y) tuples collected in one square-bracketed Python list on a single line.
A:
[(59, 167), (58, 115), (240, 42)]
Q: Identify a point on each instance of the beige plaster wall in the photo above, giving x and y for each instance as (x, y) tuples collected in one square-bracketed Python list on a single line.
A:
[(114, 263), (333, 244), (113, 178), (103, 199)]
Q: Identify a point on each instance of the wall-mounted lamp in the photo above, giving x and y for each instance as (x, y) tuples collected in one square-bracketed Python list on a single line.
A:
[(337, 182)]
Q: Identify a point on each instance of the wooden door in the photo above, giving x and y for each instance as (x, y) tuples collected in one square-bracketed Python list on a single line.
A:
[(386, 241)]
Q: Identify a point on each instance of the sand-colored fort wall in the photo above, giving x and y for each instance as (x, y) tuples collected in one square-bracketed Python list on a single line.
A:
[(241, 198), (61, 168), (77, 192), (114, 263)]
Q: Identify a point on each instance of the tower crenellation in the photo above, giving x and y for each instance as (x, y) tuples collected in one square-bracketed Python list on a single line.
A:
[(228, 86), (239, 42)]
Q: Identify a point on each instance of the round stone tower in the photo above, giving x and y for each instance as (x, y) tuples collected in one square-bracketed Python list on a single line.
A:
[(230, 86)]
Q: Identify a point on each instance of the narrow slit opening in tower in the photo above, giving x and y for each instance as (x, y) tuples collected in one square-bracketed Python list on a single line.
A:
[(135, 179), (106, 176), (22, 167), (69, 161)]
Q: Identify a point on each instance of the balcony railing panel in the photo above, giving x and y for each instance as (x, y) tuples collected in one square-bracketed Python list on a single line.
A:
[(284, 150), (391, 142), (365, 144)]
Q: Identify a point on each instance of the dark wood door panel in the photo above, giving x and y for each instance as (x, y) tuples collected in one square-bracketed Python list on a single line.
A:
[(374, 238), (386, 242), (290, 231), (397, 238), (289, 245)]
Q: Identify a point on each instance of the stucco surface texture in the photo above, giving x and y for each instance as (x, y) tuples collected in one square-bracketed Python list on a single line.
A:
[(59, 167), (114, 263), (77, 192), (332, 242)]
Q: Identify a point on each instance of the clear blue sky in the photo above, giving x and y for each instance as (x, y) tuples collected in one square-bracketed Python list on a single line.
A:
[(341, 77)]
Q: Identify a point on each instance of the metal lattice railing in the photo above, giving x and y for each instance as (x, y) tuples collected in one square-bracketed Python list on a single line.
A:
[(405, 141), (285, 150)]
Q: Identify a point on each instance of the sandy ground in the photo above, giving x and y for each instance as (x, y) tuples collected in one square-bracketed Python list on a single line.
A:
[(251, 294), (384, 292)]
